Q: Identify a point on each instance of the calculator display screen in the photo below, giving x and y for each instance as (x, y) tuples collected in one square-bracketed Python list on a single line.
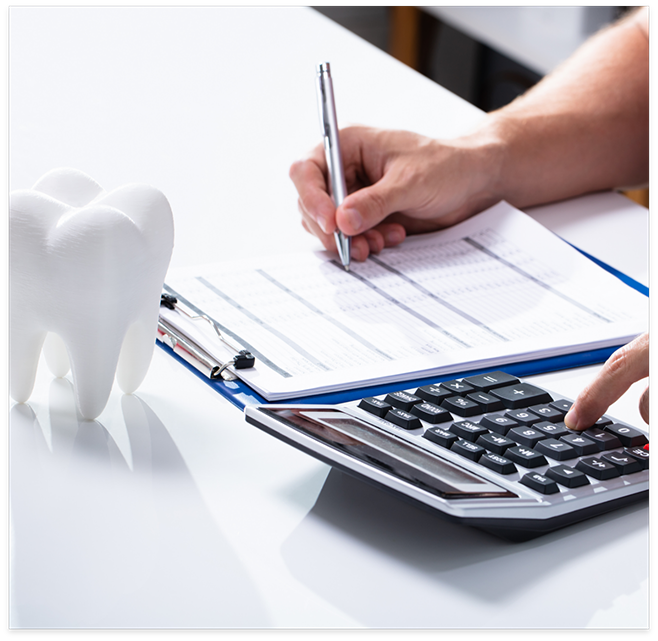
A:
[(389, 453)]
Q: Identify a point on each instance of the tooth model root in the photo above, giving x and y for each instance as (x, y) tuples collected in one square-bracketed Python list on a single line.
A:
[(86, 273)]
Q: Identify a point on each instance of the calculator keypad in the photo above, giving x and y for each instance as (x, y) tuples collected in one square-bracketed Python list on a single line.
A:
[(511, 427)]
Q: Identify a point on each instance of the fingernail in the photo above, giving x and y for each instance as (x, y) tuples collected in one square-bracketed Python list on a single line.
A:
[(322, 222), (571, 419), (394, 237), (354, 219)]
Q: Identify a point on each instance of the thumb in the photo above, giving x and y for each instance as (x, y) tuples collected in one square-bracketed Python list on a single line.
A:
[(364, 209)]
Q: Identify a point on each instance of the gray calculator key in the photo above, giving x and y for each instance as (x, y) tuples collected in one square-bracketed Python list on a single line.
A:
[(468, 430), (557, 450), (498, 423), (497, 463), (461, 406), (625, 463), (495, 442), (525, 456), (628, 436), (552, 430), (567, 476), (402, 400), (440, 436), (605, 440), (470, 450), (374, 406), (403, 419), (521, 395), (526, 436), (580, 443), (597, 468), (491, 380), (540, 483), (431, 413)]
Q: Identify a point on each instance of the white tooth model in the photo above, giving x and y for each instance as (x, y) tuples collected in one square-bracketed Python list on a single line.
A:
[(85, 276)]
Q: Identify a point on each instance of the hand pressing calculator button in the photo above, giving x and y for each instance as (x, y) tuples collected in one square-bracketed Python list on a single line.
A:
[(489, 450)]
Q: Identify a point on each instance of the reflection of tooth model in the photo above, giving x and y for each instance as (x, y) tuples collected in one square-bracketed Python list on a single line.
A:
[(86, 270)]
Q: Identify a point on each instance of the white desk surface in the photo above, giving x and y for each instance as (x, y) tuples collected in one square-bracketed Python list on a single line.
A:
[(171, 511)]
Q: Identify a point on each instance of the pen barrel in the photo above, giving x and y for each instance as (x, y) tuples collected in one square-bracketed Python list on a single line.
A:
[(329, 124)]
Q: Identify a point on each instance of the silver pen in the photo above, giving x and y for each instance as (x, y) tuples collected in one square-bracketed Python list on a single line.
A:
[(327, 107)]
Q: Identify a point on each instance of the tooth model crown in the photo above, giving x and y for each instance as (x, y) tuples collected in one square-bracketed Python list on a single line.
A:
[(85, 277)]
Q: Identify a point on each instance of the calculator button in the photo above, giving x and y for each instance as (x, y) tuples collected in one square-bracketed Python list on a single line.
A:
[(402, 400), (562, 405), (526, 436), (540, 483), (489, 381), (495, 442), (431, 413), (598, 469), (461, 406), (403, 419), (525, 456), (521, 395), (581, 444), (567, 476), (433, 393), (605, 440), (486, 402), (628, 436), (553, 430), (640, 454), (374, 406), (470, 450), (625, 463), (497, 463), (603, 421), (498, 423), (557, 450), (457, 387), (440, 436), (523, 417), (468, 430), (547, 413)]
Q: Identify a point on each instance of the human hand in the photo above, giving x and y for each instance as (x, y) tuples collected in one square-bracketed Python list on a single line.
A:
[(398, 183), (627, 365)]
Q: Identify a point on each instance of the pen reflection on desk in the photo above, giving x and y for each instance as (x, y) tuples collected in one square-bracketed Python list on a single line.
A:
[(329, 124)]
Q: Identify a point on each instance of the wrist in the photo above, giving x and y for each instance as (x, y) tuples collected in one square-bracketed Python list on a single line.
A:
[(485, 154)]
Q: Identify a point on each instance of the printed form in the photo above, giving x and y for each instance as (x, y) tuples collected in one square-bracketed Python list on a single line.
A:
[(497, 288)]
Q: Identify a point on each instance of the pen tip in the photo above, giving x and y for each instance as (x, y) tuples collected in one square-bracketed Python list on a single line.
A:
[(347, 268)]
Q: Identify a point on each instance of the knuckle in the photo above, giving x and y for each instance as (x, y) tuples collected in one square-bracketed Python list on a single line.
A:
[(619, 362)]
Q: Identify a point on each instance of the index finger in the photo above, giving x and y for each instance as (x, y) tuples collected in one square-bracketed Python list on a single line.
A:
[(309, 178), (627, 365)]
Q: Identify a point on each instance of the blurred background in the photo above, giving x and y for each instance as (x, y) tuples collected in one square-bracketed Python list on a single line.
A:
[(486, 55)]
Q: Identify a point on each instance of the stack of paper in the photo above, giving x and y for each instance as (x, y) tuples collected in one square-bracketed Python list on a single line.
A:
[(498, 288)]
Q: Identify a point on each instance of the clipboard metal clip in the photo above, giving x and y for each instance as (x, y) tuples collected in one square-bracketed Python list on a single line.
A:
[(192, 352)]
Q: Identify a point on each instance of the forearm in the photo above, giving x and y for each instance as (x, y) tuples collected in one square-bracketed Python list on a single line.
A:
[(583, 128)]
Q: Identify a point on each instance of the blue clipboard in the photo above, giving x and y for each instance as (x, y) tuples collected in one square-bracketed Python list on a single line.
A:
[(241, 395)]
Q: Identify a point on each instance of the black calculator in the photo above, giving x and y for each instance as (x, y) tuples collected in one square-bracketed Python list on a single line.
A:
[(490, 450)]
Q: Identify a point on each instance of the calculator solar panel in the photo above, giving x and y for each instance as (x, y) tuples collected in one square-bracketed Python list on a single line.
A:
[(490, 451)]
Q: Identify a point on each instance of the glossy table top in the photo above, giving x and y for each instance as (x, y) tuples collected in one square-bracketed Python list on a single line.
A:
[(170, 511)]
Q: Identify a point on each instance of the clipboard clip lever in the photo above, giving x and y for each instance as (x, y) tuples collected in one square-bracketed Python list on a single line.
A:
[(243, 359)]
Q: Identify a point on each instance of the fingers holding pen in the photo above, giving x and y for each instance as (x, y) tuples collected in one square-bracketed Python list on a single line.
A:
[(315, 203), (321, 218)]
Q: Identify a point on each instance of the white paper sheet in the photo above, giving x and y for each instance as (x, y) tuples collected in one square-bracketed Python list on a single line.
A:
[(495, 289)]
